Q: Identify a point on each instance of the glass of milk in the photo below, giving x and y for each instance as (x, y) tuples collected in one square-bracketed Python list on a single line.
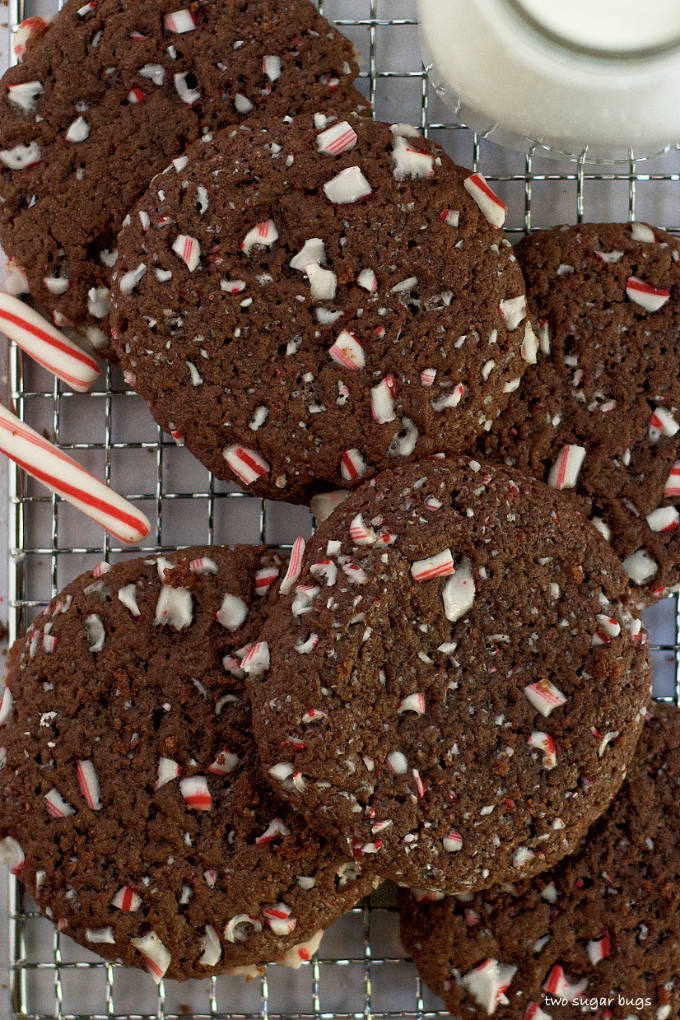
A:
[(593, 79)]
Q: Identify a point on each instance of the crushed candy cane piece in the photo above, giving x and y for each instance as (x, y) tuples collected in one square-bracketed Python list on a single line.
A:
[(246, 464), (347, 187), (155, 955), (458, 594), (196, 792), (566, 469), (644, 294), (544, 696), (188, 250), (338, 138), (488, 201)]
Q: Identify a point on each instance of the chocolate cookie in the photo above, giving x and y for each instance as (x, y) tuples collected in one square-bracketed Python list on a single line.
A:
[(602, 928), (131, 804), (456, 686), (310, 302), (110, 92), (599, 415)]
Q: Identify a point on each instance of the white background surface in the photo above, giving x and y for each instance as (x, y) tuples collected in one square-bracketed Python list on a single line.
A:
[(184, 522)]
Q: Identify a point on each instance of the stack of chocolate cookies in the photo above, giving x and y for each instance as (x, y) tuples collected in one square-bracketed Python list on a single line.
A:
[(208, 756)]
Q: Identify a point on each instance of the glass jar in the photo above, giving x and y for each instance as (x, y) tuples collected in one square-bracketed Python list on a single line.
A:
[(592, 79)]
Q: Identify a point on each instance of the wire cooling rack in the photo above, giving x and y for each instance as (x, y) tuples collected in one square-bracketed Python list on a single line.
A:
[(361, 970)]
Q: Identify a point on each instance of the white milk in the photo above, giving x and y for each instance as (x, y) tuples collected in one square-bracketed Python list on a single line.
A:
[(563, 73)]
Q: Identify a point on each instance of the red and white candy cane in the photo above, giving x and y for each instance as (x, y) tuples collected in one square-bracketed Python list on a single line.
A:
[(294, 566), (488, 201), (46, 345), (644, 294), (49, 465)]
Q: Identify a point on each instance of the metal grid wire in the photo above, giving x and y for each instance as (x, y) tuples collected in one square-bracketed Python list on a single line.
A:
[(361, 971)]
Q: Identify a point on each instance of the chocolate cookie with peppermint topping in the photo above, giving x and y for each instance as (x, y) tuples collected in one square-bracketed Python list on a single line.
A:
[(598, 417), (131, 803), (109, 93), (310, 302), (603, 925), (455, 684)]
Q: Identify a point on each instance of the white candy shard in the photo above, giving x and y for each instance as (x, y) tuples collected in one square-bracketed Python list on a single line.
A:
[(453, 842), (196, 792), (279, 919), (212, 950), (545, 743), (95, 632), (565, 471), (352, 465), (488, 201), (100, 936), (56, 805), (558, 984), (303, 952), (264, 234), (246, 464), (312, 252), (642, 232), (188, 250), (409, 162), (155, 73), (25, 94), (348, 352), (664, 518), (98, 301), (186, 92), (78, 131), (382, 400), (340, 137), (6, 706), (323, 282), (156, 956), (180, 22), (529, 348), (241, 927), (644, 294), (22, 156), (11, 854), (89, 785), (397, 763), (349, 186), (323, 505), (544, 696), (271, 65), (129, 280), (458, 594), (368, 280), (232, 612), (294, 566), (167, 771), (256, 661), (662, 423), (174, 608), (640, 566), (487, 984), (128, 596), (126, 899), (513, 311), (439, 565)]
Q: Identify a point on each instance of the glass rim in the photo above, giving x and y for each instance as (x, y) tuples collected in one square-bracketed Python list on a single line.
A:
[(582, 49)]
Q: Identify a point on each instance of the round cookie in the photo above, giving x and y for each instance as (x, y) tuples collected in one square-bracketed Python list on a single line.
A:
[(131, 802), (310, 302), (599, 415), (110, 92), (456, 686), (602, 927)]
